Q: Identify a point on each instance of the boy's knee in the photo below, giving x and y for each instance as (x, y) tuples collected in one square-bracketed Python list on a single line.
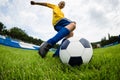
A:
[(71, 26), (74, 25)]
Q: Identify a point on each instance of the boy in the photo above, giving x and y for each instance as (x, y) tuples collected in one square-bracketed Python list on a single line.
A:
[(62, 25)]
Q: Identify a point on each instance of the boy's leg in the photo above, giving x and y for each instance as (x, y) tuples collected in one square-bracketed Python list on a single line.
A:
[(44, 48), (60, 35), (65, 31), (58, 50), (51, 42)]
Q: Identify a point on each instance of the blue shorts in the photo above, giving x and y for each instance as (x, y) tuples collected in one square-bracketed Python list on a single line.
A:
[(62, 23)]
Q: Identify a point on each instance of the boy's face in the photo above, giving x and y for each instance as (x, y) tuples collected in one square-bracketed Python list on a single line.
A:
[(61, 4)]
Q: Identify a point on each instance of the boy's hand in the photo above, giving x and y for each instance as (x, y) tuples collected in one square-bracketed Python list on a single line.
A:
[(32, 2)]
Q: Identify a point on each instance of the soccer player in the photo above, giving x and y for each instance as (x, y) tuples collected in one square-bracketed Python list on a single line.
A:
[(62, 25)]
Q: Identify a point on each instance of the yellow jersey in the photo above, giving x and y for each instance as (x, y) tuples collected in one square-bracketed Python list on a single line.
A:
[(57, 13)]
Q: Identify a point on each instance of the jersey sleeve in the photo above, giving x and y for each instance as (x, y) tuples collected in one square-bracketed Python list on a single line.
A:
[(51, 5)]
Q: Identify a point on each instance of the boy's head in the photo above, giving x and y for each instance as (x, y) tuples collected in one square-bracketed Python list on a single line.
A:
[(61, 4)]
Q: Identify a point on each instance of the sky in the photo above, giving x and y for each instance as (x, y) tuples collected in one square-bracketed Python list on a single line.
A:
[(94, 18)]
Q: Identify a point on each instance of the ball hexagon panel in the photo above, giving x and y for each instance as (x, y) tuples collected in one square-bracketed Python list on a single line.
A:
[(64, 56), (86, 56), (75, 48)]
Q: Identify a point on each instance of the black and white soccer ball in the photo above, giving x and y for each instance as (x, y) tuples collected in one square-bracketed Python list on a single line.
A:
[(76, 51)]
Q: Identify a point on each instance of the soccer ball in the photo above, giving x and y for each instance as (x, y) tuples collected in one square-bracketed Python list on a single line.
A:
[(76, 51)]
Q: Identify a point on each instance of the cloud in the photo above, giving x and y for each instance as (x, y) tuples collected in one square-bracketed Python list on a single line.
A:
[(3, 2), (94, 18)]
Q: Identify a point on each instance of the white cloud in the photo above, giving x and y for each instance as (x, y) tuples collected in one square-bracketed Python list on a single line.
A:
[(94, 18), (3, 2)]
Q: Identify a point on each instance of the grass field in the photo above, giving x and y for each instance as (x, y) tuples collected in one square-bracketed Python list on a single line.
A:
[(20, 64)]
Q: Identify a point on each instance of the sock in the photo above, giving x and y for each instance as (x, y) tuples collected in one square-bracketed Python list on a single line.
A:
[(61, 34), (58, 50)]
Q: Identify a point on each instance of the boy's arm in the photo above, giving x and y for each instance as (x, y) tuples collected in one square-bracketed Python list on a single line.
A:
[(40, 3), (43, 4)]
